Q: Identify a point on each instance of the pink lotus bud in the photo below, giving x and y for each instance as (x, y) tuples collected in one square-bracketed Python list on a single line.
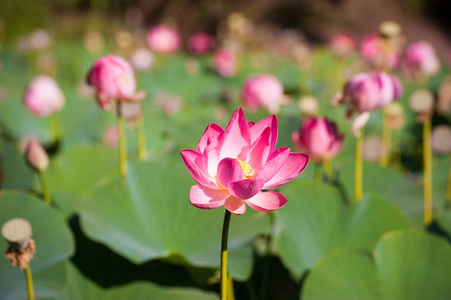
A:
[(366, 92), (342, 45), (319, 138), (262, 91), (200, 43), (43, 97), (421, 57), (225, 62), (36, 156), (163, 40), (374, 52), (113, 78)]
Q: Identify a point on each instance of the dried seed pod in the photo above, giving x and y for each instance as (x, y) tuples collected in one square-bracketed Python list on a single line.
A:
[(17, 232), (444, 98), (389, 29), (372, 148), (395, 114), (308, 105), (441, 139), (422, 103)]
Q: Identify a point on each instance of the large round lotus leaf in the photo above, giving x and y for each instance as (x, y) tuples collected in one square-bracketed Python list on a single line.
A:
[(389, 183), (404, 266), (81, 288), (54, 244), (148, 216), (316, 222)]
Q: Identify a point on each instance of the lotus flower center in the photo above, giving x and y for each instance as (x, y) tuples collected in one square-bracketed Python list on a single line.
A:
[(247, 169)]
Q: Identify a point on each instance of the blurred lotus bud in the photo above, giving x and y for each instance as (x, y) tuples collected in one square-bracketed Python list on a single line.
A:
[(421, 60), (36, 156), (372, 148), (367, 92), (113, 78), (163, 40), (262, 91), (341, 45), (39, 40), (200, 43), (441, 139), (124, 39), (377, 52), (395, 114), (169, 104), (308, 105), (319, 138), (422, 104), (359, 123), (111, 137), (43, 97), (225, 62), (444, 98), (94, 42), (17, 232), (142, 59), (192, 66), (389, 29)]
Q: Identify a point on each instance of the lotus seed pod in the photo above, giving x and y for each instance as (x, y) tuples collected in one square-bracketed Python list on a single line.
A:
[(389, 29), (395, 114), (372, 148), (36, 156), (444, 98), (308, 105), (441, 139), (17, 232), (422, 103)]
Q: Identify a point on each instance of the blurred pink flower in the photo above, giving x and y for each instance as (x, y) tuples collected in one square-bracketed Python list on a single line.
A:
[(262, 91), (421, 57), (36, 156), (319, 138), (43, 97), (113, 78), (225, 62), (163, 40), (200, 43), (142, 59), (366, 92), (232, 166), (342, 45), (372, 50)]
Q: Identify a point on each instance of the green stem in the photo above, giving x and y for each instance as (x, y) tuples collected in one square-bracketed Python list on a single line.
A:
[(230, 293), (122, 141), (318, 177), (45, 190), (327, 165), (448, 187), (141, 136), (427, 170), (29, 279), (267, 259), (55, 126), (225, 236), (386, 139), (358, 167)]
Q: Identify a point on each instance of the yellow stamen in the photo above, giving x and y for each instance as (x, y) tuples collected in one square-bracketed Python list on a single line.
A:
[(247, 169)]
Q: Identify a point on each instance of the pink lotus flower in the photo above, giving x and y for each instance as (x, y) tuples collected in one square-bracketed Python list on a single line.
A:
[(163, 40), (319, 138), (232, 166), (200, 43), (366, 92), (113, 78), (262, 91), (421, 57), (342, 45), (225, 62), (372, 50), (36, 156), (43, 97)]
